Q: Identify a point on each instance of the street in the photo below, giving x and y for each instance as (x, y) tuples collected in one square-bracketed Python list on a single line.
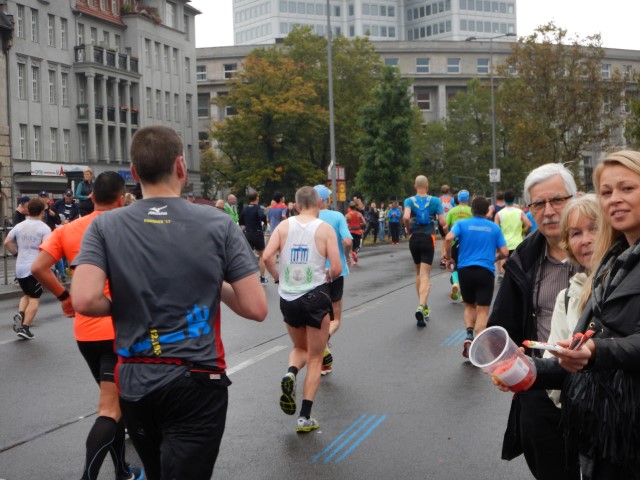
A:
[(401, 402)]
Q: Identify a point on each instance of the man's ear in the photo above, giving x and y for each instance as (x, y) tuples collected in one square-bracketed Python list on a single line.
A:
[(181, 167), (132, 169)]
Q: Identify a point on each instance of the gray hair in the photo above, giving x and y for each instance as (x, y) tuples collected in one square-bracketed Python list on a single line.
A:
[(544, 173), (307, 197)]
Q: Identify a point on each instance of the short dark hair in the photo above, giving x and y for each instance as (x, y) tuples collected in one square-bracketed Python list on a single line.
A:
[(277, 197), (108, 187), (252, 197), (479, 206), (499, 196), (35, 207), (154, 150), (509, 196)]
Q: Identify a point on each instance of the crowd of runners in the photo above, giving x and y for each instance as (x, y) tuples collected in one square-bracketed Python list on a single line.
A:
[(566, 262)]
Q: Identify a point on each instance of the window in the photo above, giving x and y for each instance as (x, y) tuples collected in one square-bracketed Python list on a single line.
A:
[(392, 32), (351, 10), (34, 25), (606, 70), (165, 59), (453, 65), (171, 15), (391, 11), (106, 38), (22, 88), (83, 144), (422, 65), (423, 100), (114, 7), (511, 10), (51, 30), (189, 113), (64, 43), (352, 30), (66, 137), (22, 154), (53, 136), (409, 15), (102, 5), (203, 105), (383, 10), (201, 72), (483, 65), (147, 51), (187, 27), (80, 34), (149, 102), (167, 105), (391, 61), (174, 60), (336, 10), (283, 6), (52, 87), (176, 107), (156, 55), (230, 69), (187, 69), (36, 142), (64, 86), (94, 36), (35, 83), (365, 9), (20, 22), (158, 104), (626, 71), (118, 42)]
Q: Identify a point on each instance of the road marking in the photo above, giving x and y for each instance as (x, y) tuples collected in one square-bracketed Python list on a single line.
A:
[(455, 338), (256, 359), (362, 309), (358, 428)]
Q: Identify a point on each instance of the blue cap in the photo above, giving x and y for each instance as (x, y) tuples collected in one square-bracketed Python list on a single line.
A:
[(323, 192), (463, 196)]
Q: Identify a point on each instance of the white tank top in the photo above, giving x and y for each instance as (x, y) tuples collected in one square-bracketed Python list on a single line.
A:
[(301, 267)]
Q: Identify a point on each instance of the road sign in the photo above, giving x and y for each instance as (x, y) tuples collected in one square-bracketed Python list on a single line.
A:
[(342, 191), (494, 175)]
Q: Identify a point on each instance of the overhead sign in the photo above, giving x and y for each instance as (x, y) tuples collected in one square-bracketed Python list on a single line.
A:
[(54, 169)]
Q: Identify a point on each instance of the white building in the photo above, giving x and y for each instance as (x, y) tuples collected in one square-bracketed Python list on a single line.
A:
[(265, 21)]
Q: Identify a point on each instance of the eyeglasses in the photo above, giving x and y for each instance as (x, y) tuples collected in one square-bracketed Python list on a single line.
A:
[(556, 202)]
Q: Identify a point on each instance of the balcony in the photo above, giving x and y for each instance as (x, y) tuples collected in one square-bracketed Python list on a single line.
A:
[(123, 115), (111, 114), (99, 56), (83, 113)]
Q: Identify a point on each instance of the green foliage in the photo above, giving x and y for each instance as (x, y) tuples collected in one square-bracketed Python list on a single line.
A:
[(552, 98), (387, 123)]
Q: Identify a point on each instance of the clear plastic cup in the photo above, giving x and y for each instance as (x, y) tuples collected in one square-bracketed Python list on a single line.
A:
[(497, 355)]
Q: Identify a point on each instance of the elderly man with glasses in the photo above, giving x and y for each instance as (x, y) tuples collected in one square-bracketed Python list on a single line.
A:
[(534, 274)]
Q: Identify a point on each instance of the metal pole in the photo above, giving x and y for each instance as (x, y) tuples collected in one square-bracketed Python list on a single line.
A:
[(332, 134), (493, 118)]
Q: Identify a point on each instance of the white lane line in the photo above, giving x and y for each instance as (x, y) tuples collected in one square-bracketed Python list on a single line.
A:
[(256, 359)]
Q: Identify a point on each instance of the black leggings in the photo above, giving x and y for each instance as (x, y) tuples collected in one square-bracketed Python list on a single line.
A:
[(356, 241), (371, 226), (394, 228)]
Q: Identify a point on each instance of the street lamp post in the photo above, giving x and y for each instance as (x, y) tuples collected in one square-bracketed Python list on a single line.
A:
[(493, 107), (332, 134)]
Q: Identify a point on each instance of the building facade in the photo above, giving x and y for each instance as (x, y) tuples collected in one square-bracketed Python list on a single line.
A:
[(265, 21), (6, 42), (86, 75), (437, 71)]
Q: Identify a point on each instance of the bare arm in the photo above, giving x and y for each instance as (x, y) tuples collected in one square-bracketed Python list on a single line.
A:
[(526, 222), (503, 252), (269, 254), (406, 219), (442, 219), (347, 245), (87, 291), (246, 297), (448, 242), (11, 245), (41, 269), (333, 253)]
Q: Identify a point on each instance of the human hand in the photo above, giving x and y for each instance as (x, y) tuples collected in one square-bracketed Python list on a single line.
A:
[(574, 360), (67, 307), (500, 386)]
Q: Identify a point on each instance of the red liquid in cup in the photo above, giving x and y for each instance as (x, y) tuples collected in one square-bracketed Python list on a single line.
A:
[(515, 373)]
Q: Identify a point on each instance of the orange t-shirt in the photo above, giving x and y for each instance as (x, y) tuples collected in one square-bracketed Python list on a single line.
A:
[(65, 242)]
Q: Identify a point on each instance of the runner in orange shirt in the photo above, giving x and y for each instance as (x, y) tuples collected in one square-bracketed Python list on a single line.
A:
[(94, 335)]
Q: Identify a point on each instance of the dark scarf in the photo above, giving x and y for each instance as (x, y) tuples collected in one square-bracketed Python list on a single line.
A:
[(600, 408)]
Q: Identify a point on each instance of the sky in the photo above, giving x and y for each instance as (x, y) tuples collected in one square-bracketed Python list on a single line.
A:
[(615, 20)]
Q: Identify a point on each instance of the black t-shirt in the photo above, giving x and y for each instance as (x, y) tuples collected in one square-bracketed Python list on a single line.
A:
[(252, 217)]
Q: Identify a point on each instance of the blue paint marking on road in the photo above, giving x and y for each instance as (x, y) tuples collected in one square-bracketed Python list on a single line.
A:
[(330, 446), (356, 433), (455, 338), (365, 435)]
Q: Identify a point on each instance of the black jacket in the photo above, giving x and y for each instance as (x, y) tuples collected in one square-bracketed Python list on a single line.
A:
[(513, 306)]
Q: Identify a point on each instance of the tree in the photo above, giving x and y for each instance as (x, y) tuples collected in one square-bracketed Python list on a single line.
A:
[(387, 123), (554, 101)]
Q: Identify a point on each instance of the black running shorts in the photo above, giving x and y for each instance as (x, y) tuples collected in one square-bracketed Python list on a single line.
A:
[(101, 359), (476, 285), (255, 239), (336, 288), (308, 310), (421, 246), (30, 286)]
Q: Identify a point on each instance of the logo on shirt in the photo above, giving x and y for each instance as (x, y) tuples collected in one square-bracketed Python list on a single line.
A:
[(299, 254), (157, 211)]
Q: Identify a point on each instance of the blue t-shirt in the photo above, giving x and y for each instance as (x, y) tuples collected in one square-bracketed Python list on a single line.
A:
[(339, 224), (534, 226), (394, 215), (479, 239), (428, 208)]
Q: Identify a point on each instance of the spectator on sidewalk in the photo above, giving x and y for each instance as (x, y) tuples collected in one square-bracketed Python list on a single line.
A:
[(67, 207), (21, 212), (84, 193)]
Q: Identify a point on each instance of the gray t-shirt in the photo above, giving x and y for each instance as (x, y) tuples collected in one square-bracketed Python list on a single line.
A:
[(165, 259)]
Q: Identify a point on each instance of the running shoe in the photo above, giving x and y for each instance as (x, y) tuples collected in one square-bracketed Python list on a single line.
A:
[(135, 473), (288, 397), (443, 263), (455, 289), (24, 332), (306, 424), (327, 362), (422, 315), (17, 322), (465, 347), (263, 280)]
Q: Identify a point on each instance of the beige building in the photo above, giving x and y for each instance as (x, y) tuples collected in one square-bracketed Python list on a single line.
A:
[(437, 70), (6, 42)]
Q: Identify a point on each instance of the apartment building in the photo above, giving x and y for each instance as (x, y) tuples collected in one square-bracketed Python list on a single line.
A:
[(265, 21), (86, 75), (437, 71)]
